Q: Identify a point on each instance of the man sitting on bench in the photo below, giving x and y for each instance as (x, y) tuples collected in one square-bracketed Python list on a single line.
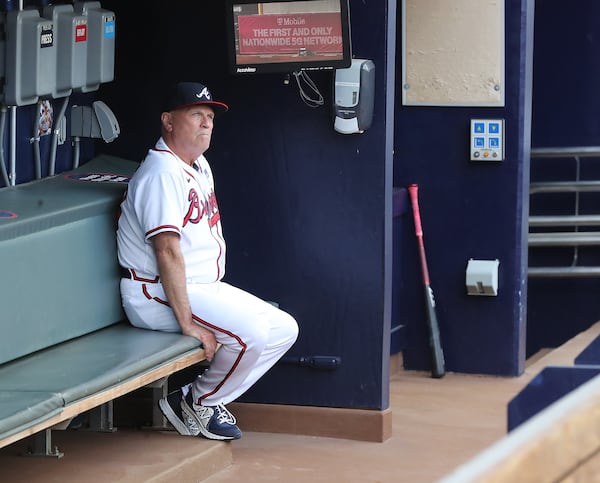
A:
[(172, 250)]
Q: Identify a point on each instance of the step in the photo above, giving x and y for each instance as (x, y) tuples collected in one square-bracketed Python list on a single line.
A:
[(564, 354), (127, 455), (537, 356)]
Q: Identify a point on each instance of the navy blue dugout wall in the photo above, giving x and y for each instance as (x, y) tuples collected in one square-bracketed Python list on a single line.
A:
[(469, 210), (305, 210), (566, 112)]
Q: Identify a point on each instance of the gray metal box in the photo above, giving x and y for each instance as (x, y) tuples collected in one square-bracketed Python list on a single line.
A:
[(101, 44), (71, 39), (30, 58)]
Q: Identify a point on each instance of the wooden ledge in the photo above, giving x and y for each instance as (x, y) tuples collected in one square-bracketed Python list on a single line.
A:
[(356, 424)]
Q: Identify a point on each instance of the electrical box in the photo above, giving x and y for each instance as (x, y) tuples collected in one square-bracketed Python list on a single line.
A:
[(354, 90), (482, 277), (71, 48), (97, 121), (487, 139), (30, 58), (101, 44)]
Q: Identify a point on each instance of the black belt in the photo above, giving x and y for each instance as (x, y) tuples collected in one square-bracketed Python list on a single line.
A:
[(131, 275)]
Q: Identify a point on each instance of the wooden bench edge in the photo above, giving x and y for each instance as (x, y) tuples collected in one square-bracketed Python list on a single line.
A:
[(547, 447), (124, 387)]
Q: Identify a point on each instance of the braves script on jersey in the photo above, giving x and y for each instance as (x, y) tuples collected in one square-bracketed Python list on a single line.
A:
[(168, 195)]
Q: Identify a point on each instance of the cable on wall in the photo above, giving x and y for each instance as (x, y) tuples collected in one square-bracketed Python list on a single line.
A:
[(309, 92)]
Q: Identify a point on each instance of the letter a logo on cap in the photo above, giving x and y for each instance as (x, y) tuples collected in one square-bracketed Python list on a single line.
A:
[(204, 93)]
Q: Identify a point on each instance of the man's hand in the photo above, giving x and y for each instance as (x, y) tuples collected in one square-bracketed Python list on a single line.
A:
[(209, 342)]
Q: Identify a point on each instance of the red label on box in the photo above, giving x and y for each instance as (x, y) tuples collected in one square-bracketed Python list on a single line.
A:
[(81, 32)]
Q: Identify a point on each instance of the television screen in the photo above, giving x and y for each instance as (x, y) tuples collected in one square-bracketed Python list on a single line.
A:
[(288, 35)]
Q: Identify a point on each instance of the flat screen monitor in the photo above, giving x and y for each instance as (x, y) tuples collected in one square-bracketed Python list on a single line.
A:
[(288, 35)]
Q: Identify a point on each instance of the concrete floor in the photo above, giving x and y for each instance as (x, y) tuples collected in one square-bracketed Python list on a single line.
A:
[(438, 424)]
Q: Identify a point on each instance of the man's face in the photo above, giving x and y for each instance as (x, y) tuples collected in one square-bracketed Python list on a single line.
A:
[(191, 129)]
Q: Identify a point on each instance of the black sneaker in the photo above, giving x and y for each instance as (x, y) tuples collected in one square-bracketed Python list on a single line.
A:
[(171, 408), (212, 422)]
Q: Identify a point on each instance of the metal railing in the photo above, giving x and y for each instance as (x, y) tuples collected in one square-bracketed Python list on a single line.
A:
[(574, 238)]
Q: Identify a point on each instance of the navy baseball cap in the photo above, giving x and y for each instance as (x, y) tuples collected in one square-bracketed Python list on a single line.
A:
[(187, 94)]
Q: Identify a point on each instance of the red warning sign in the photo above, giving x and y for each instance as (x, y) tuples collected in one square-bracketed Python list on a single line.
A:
[(81, 31)]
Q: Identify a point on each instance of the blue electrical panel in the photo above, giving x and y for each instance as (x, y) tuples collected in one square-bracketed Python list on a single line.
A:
[(487, 140)]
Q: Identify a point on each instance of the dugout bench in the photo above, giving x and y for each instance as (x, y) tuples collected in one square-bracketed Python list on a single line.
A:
[(65, 348)]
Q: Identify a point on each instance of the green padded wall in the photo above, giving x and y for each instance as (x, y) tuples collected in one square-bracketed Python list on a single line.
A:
[(58, 263)]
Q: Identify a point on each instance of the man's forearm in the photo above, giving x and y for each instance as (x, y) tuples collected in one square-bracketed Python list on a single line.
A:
[(171, 269)]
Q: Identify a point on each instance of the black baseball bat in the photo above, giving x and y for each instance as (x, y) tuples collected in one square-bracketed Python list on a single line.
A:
[(435, 344), (314, 362)]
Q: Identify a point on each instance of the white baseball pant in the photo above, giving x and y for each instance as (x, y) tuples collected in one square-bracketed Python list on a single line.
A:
[(253, 333)]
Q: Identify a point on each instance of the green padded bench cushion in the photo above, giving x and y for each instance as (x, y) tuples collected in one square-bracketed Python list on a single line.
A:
[(94, 362), (23, 409), (71, 196), (60, 274)]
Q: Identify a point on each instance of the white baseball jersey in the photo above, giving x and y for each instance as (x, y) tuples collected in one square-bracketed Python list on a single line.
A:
[(166, 194)]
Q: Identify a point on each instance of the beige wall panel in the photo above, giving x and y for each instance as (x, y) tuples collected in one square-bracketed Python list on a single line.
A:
[(453, 52)]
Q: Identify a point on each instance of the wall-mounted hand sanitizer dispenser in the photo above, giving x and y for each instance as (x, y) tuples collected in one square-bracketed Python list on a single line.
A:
[(354, 91)]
